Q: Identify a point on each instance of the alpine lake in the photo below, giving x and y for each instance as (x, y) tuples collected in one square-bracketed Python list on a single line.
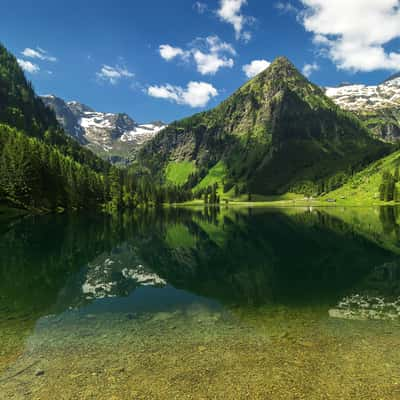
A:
[(206, 303)]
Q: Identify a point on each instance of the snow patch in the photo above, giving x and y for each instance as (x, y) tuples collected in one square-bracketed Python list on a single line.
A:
[(363, 97)]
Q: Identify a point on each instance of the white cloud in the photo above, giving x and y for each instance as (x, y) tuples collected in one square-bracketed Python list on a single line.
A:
[(27, 66), (38, 53), (168, 52), (216, 45), (200, 7), (196, 94), (209, 54), (113, 74), (210, 63), (255, 67), (353, 34), (308, 69), (230, 11)]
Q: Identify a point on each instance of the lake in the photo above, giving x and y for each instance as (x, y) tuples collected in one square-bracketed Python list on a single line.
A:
[(229, 303)]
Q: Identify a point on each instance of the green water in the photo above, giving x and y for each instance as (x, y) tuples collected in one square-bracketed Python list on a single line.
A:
[(202, 304)]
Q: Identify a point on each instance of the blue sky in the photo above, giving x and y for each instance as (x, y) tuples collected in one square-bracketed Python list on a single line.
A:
[(108, 55)]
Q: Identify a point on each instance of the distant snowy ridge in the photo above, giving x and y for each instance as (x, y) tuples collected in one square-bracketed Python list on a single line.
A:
[(101, 131), (378, 106), (363, 97)]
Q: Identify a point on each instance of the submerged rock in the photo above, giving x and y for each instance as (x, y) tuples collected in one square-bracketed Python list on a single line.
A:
[(360, 307), (39, 372)]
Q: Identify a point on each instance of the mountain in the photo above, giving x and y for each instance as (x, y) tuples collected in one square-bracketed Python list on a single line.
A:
[(22, 109), (113, 136), (278, 133), (44, 169), (378, 106), (40, 166)]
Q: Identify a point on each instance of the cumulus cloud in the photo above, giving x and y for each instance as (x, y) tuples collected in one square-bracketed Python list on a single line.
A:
[(114, 74), (230, 11), (353, 34), (308, 69), (196, 94), (210, 63), (216, 45), (168, 52), (209, 54), (255, 67), (28, 66), (38, 53)]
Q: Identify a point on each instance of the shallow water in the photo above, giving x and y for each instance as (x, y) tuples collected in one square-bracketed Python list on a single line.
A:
[(202, 304)]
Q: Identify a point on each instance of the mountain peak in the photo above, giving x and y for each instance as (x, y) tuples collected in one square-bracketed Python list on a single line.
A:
[(281, 69), (283, 64), (79, 108), (281, 61)]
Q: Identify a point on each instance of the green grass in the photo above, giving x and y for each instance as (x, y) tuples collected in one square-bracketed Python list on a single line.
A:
[(215, 175), (178, 172), (363, 187)]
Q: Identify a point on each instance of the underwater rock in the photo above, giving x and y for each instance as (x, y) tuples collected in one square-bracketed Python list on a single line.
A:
[(365, 307)]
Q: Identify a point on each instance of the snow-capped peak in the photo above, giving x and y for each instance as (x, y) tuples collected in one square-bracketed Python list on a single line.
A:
[(103, 131), (364, 97)]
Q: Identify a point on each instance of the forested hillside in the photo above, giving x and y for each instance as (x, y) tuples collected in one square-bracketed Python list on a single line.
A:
[(42, 168)]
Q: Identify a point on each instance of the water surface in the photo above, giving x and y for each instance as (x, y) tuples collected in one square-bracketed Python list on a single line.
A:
[(202, 304)]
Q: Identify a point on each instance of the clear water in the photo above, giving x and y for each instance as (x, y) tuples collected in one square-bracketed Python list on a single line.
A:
[(202, 304)]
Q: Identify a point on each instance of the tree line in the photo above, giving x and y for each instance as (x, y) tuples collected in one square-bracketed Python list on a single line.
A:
[(34, 174), (388, 190)]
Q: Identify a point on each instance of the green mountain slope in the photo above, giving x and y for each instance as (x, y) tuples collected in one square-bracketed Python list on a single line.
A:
[(364, 187), (19, 106), (40, 166), (277, 133), (22, 109)]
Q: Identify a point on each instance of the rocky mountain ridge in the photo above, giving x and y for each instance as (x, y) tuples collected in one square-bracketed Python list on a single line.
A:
[(112, 135), (377, 105)]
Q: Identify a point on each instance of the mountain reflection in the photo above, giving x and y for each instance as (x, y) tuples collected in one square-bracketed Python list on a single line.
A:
[(235, 257)]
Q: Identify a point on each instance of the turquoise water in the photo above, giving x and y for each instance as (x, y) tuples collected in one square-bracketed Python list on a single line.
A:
[(207, 303)]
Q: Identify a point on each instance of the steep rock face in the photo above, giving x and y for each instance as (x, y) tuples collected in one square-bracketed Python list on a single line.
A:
[(277, 133), (65, 116), (378, 106), (115, 136)]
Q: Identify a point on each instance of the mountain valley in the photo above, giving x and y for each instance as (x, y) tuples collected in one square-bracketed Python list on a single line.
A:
[(277, 135)]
